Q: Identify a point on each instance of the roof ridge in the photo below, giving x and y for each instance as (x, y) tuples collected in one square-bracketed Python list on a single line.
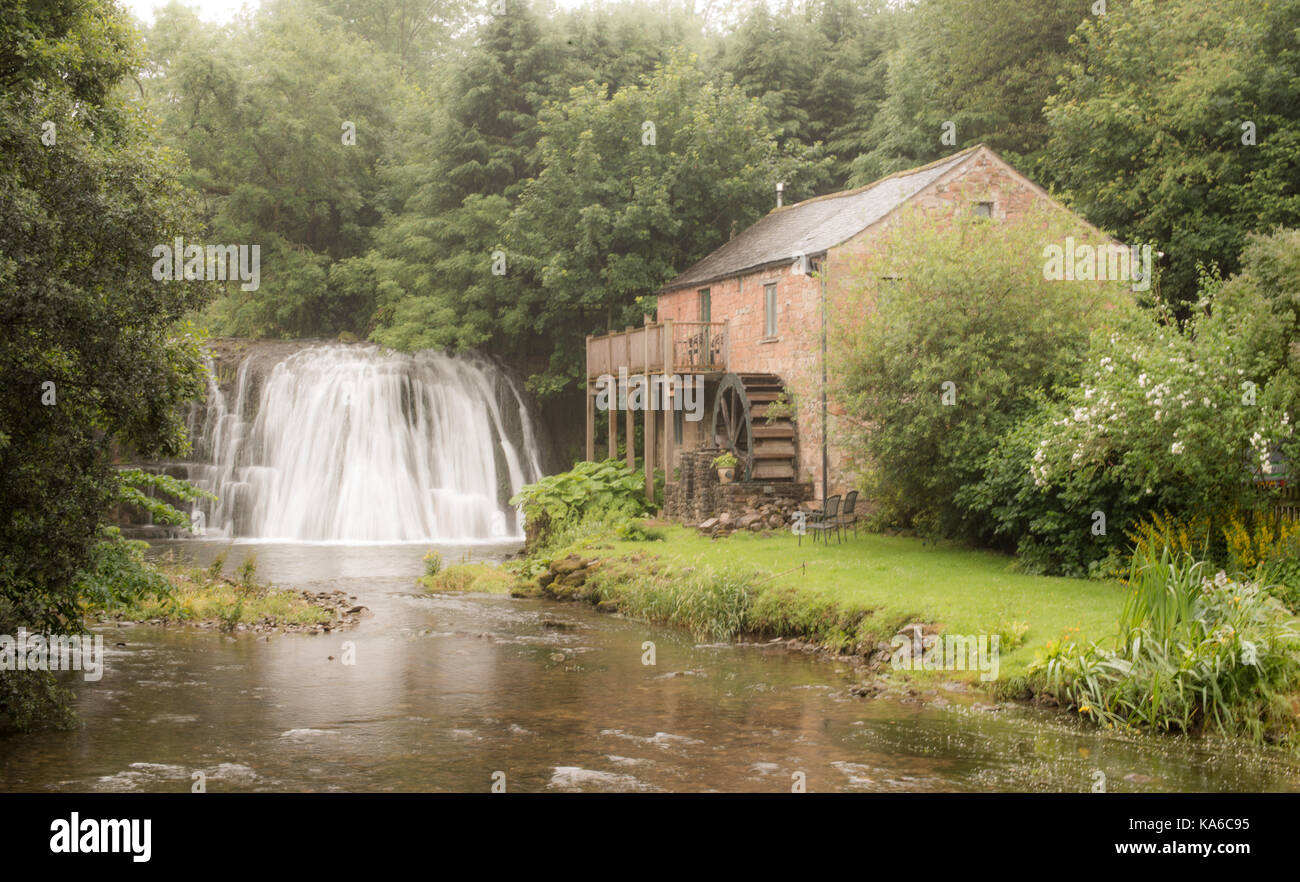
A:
[(824, 224), (865, 187)]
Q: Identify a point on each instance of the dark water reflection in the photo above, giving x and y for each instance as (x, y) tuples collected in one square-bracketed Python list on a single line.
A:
[(447, 690)]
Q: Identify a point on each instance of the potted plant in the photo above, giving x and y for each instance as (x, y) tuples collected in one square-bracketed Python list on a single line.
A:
[(725, 463)]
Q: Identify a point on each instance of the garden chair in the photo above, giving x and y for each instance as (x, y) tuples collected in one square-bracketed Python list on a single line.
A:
[(849, 517), (826, 519)]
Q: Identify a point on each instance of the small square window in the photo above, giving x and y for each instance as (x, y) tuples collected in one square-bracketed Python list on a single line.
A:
[(984, 209)]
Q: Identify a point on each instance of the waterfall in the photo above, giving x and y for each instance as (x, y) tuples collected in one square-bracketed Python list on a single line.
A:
[(355, 444)]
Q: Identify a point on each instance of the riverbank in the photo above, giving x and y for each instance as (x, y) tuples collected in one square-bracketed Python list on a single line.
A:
[(849, 599), (206, 599)]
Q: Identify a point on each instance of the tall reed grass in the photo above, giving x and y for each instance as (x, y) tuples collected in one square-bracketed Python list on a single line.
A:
[(1191, 652)]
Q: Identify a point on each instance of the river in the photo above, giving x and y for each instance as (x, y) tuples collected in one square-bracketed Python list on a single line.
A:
[(446, 691)]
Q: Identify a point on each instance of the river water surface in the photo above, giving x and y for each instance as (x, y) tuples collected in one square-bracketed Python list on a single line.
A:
[(447, 690)]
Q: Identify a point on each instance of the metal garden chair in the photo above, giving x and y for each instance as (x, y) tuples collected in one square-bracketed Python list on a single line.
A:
[(826, 519), (849, 517)]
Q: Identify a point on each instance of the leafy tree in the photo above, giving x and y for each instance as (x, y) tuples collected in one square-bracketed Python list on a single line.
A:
[(619, 44), (418, 33), (1149, 124), (818, 71), (987, 67), (634, 188), (463, 173), (263, 108), (452, 188), (92, 348)]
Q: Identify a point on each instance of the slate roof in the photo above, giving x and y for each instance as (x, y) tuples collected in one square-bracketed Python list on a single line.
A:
[(814, 225)]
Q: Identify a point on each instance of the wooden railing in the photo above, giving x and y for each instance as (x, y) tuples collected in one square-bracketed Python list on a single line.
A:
[(693, 347), (699, 346)]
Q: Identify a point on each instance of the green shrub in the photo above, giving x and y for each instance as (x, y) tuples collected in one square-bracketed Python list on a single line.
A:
[(936, 365), (1165, 418), (229, 616), (590, 490), (119, 575), (246, 574), (218, 564)]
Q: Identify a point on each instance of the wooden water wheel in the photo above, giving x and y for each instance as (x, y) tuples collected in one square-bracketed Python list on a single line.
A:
[(763, 446)]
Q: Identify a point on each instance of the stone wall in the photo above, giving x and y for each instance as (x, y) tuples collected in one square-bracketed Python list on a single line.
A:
[(794, 353), (697, 499)]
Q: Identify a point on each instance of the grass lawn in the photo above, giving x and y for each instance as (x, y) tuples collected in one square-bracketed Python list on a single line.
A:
[(904, 580)]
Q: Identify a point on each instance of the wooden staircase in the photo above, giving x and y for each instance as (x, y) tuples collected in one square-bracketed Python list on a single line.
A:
[(775, 455)]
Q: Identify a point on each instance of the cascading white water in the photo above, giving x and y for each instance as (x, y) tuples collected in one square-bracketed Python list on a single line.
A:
[(354, 444)]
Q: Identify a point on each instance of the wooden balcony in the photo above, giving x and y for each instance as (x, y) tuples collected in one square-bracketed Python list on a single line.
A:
[(664, 348)]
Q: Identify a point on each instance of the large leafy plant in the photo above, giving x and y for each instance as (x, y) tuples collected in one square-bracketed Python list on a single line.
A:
[(589, 489)]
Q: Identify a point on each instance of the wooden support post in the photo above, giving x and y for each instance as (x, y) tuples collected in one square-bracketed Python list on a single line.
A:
[(649, 431), (649, 452), (591, 408), (630, 426), (612, 413), (668, 413), (630, 429), (591, 424)]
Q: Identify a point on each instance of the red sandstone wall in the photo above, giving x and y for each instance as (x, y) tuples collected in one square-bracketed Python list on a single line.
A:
[(795, 353)]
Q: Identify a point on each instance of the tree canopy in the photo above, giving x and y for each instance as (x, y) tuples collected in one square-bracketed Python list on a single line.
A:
[(468, 121)]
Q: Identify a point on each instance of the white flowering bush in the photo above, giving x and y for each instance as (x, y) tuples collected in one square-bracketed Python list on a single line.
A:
[(1171, 414), (1185, 419)]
